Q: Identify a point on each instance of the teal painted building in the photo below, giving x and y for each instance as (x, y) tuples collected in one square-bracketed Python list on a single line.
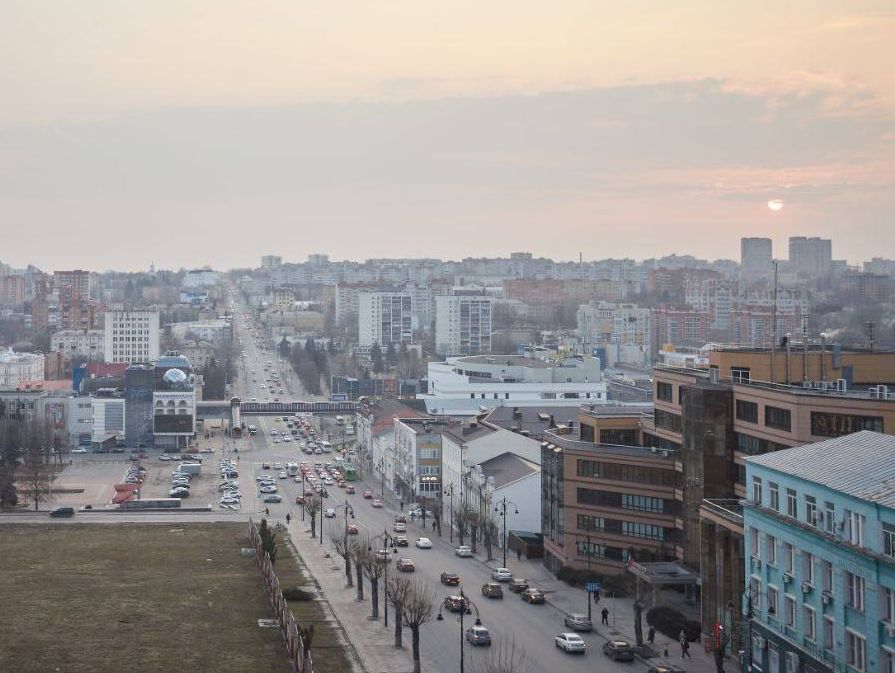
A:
[(820, 557)]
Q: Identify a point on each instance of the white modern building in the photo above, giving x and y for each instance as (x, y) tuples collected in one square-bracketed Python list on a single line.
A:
[(463, 324), (131, 336), (417, 459), (625, 326), (385, 318), (107, 418), (216, 330), (79, 420), (79, 343), (17, 368), (196, 278), (467, 385)]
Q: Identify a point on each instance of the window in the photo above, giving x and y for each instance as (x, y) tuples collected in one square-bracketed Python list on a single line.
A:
[(855, 650), (789, 611), (754, 542), (791, 503), (835, 425), (747, 411), (789, 556), (666, 420), (887, 605), (855, 527), (888, 539), (809, 617), (792, 662), (772, 599), (780, 419), (590, 523), (808, 567), (588, 468), (739, 374), (756, 490), (774, 492), (854, 591), (642, 503), (886, 660), (811, 510), (757, 650), (772, 550), (773, 660), (664, 391), (829, 517), (829, 630), (826, 575)]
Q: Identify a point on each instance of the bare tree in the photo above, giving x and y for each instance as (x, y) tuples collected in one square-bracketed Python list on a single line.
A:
[(312, 507), (374, 568), (417, 610), (489, 533), (36, 475), (396, 592), (342, 545), (504, 656), (359, 553)]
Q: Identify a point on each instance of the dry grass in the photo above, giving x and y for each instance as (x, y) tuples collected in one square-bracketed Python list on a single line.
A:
[(144, 597)]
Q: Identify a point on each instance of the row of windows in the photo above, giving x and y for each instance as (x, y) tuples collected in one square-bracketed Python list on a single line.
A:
[(667, 420), (599, 524), (595, 469), (640, 503)]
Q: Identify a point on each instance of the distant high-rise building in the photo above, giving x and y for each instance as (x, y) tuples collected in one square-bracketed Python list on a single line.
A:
[(132, 336), (271, 261), (12, 290), (138, 388), (79, 282), (385, 318), (811, 257), (756, 256), (462, 324)]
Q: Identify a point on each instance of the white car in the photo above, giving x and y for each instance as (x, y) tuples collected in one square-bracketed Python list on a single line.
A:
[(81, 450), (283, 475), (570, 642), (463, 551), (268, 488), (501, 575), (330, 512), (424, 543)]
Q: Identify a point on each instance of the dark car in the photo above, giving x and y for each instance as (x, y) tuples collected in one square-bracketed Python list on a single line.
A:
[(492, 590), (401, 541), (406, 565), (478, 635), (451, 579), (455, 603), (533, 596), (63, 511), (517, 586), (618, 650)]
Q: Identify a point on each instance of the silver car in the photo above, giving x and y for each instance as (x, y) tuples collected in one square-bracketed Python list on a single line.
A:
[(578, 622)]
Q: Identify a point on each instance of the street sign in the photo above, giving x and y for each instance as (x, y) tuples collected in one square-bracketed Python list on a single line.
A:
[(591, 587)]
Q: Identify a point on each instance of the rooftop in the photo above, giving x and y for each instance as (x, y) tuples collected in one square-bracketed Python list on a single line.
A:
[(505, 361), (861, 465), (508, 468), (536, 420), (569, 442)]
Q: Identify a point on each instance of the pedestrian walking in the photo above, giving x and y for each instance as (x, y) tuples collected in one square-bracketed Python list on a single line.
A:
[(289, 518), (651, 634), (604, 613), (518, 554), (267, 511), (682, 637), (685, 650)]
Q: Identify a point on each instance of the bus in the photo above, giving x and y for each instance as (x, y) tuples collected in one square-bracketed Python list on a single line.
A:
[(253, 430)]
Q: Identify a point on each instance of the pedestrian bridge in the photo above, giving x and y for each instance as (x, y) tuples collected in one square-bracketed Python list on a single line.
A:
[(281, 408)]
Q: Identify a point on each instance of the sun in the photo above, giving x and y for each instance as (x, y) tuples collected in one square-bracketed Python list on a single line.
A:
[(775, 204)]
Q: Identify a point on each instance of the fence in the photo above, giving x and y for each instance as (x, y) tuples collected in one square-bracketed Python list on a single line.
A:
[(300, 657)]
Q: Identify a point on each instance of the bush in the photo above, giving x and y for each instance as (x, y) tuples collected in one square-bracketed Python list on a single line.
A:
[(297, 594), (670, 622)]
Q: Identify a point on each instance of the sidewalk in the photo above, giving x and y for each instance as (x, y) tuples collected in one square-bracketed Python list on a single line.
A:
[(570, 599), (373, 643)]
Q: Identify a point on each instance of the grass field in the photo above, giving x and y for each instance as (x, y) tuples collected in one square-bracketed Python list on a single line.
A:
[(142, 597)]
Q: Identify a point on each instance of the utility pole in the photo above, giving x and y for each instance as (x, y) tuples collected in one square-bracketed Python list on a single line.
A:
[(870, 325), (774, 329)]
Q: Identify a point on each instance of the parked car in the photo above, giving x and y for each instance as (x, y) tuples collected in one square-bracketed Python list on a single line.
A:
[(533, 596), (501, 574), (579, 622), (463, 551), (517, 586), (570, 642), (478, 635), (406, 565), (273, 498), (618, 650), (451, 579), (455, 603), (492, 590), (424, 543), (63, 511)]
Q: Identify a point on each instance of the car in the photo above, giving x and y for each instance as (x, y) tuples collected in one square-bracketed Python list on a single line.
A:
[(330, 512), (271, 488), (179, 493), (350, 489), (377, 504), (478, 635), (63, 511), (517, 586), (570, 642), (451, 579), (618, 650), (278, 466), (406, 565), (502, 575), (273, 498), (400, 518), (456, 603), (463, 551), (353, 529), (401, 541), (265, 466), (164, 456), (578, 622), (276, 440), (79, 450), (492, 590), (665, 668), (533, 596), (368, 495), (424, 543), (283, 475), (399, 527), (383, 555)]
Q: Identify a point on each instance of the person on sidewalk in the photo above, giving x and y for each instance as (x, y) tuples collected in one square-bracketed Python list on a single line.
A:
[(289, 518), (651, 634), (685, 649), (604, 614)]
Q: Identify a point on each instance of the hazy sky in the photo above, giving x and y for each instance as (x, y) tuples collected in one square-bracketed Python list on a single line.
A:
[(192, 132)]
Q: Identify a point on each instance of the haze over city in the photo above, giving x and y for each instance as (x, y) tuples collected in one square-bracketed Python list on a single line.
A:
[(210, 133)]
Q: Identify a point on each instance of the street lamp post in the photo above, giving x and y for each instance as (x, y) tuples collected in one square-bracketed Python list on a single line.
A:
[(502, 508), (387, 540), (464, 610), (451, 493)]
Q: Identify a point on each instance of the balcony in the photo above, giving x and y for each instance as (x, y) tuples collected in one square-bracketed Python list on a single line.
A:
[(727, 512)]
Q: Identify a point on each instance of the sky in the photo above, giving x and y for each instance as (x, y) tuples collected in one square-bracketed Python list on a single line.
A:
[(194, 132)]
